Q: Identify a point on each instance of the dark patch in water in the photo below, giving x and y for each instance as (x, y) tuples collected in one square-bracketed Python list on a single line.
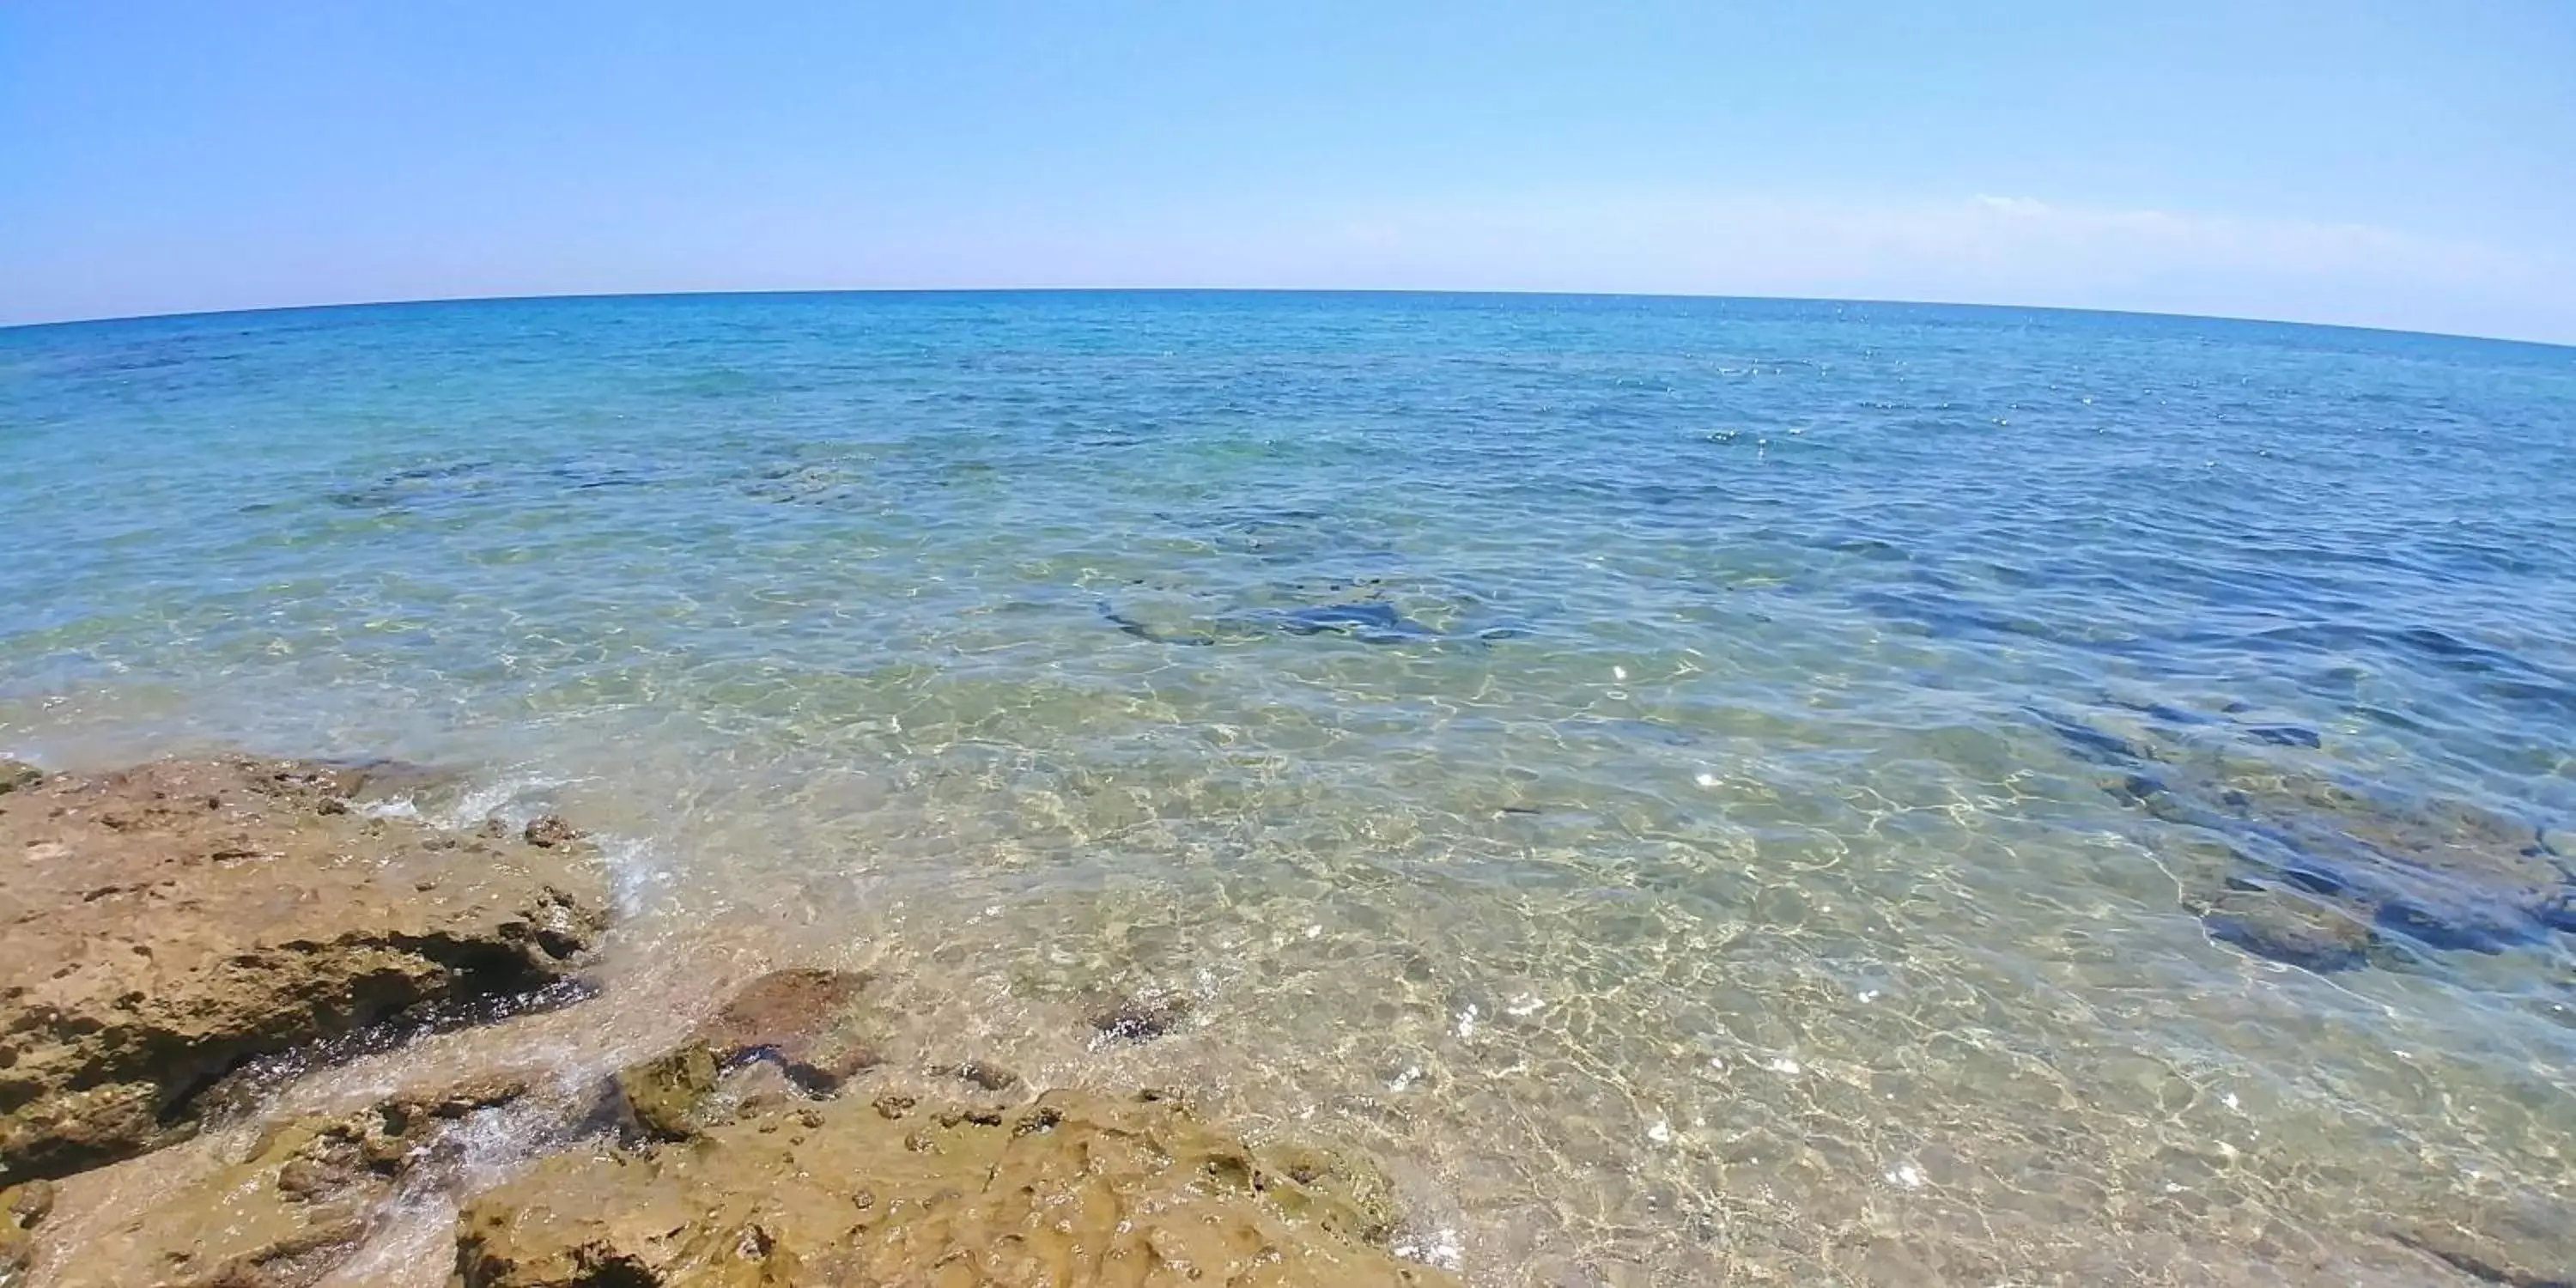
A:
[(2136, 789), (2285, 735), (2165, 712), (2089, 743), (2314, 939), (1130, 626), (2448, 933), (456, 470), (403, 488), (1869, 548), (1357, 609), (586, 477), (1368, 622)]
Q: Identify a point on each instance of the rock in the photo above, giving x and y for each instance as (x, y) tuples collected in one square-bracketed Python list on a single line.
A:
[(549, 832), (2438, 873), (981, 1073), (1073, 1188), (810, 1027), (376, 779), (665, 1094), (2284, 927), (21, 1208), (812, 1023), (2524, 1242), (166, 924), (15, 774), (1139, 1017), (310, 1190), (27, 1204)]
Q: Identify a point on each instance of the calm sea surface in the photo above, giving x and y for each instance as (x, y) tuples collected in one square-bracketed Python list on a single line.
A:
[(1703, 789)]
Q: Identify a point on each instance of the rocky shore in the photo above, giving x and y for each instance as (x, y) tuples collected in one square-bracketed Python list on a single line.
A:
[(179, 933)]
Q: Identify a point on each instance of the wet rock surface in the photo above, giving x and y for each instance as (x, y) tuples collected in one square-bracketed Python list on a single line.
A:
[(177, 928), (15, 774), (306, 1191), (812, 1030), (165, 924), (745, 1167), (1070, 1188), (22, 1208), (1141, 1016), (548, 832)]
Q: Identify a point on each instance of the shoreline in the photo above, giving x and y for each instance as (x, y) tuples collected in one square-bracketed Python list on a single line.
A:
[(555, 1061), (297, 1136)]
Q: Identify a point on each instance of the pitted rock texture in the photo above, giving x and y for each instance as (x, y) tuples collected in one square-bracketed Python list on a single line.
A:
[(1072, 1189), (161, 925)]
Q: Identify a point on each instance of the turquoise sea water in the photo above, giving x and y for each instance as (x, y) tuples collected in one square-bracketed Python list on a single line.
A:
[(1708, 790)]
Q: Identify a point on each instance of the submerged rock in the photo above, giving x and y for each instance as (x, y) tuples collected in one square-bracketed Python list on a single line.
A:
[(981, 1073), (1072, 1188), (2288, 928), (2440, 873), (1370, 619), (811, 1027), (1138, 1017), (665, 1095), (166, 924), (2522, 1242), (814, 1024), (2321, 873), (549, 832)]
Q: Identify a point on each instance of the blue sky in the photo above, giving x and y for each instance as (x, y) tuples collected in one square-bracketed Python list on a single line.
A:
[(2391, 164)]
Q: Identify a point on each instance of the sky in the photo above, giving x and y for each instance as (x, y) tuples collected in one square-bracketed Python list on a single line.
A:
[(2370, 162)]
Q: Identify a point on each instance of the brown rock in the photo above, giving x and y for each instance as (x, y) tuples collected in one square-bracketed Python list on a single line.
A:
[(981, 1073), (549, 832), (162, 925), (310, 1190), (1139, 1017), (815, 1024), (1073, 1189), (665, 1095), (787, 1034), (25, 1205), (21, 1208)]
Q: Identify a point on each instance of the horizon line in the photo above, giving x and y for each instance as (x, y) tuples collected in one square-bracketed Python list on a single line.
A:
[(729, 292)]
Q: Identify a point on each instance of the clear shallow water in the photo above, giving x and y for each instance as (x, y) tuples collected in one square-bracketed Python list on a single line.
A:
[(1706, 789)]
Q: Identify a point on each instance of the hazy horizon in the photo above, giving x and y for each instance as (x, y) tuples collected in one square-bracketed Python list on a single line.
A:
[(719, 293)]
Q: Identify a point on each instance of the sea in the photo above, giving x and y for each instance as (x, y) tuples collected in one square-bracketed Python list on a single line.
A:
[(1701, 790)]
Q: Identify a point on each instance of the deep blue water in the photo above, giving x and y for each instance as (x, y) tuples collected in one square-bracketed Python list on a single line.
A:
[(2123, 692)]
